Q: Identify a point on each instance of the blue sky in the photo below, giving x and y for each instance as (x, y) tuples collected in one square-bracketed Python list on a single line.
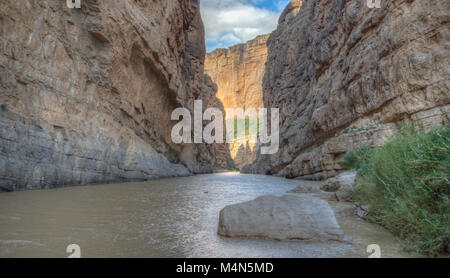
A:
[(229, 22)]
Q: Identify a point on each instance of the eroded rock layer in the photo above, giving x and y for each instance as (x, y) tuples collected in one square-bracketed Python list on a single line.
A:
[(238, 72), (86, 94), (344, 74)]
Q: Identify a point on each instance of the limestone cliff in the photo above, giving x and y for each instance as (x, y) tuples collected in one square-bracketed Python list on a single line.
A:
[(86, 94), (238, 72), (343, 74)]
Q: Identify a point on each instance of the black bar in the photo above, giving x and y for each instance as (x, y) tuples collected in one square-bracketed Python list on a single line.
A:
[(272, 267)]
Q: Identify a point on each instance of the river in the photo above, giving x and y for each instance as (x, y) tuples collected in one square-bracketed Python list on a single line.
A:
[(174, 217)]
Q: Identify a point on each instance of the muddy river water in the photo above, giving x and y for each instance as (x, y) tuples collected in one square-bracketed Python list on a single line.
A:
[(175, 217)]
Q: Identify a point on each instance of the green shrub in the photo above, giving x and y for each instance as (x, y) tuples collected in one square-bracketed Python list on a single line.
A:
[(358, 159), (234, 170), (407, 185)]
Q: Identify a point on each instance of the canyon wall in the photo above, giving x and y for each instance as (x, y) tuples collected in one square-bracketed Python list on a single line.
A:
[(344, 74), (238, 72), (86, 95)]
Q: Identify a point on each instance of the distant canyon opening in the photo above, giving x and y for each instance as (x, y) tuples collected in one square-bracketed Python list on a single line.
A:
[(238, 73)]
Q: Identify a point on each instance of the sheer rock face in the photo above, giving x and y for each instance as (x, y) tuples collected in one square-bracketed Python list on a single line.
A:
[(238, 73), (343, 74), (86, 94)]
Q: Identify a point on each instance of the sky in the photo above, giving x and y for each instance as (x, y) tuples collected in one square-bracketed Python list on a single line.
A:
[(230, 22)]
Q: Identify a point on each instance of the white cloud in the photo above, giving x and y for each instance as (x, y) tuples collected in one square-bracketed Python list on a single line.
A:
[(229, 22)]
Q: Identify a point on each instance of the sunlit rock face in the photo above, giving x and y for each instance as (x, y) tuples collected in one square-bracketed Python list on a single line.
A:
[(343, 75), (86, 94), (238, 72), (219, 153)]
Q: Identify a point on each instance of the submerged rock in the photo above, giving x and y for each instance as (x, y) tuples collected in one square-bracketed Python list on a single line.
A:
[(361, 211), (281, 218)]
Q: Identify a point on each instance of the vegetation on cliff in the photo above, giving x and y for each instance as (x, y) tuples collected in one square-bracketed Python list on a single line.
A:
[(406, 183), (251, 126)]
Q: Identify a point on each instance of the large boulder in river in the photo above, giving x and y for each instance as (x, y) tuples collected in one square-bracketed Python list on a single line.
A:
[(281, 218)]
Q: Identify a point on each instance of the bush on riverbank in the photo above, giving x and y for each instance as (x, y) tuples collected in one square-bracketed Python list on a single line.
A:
[(407, 185)]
